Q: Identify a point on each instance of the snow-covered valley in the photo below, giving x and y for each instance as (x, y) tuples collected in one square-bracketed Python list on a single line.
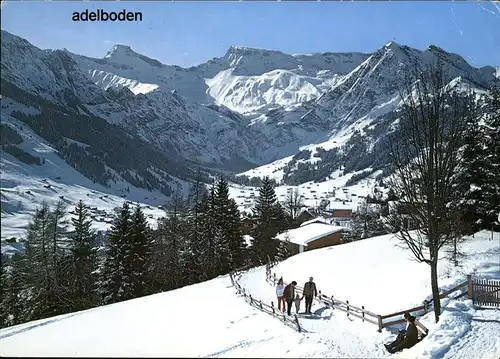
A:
[(252, 112)]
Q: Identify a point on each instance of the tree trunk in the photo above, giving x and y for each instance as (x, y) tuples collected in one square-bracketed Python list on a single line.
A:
[(455, 255), (435, 290)]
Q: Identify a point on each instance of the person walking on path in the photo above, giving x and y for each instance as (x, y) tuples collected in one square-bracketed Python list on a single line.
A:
[(289, 294), (309, 292), (280, 288)]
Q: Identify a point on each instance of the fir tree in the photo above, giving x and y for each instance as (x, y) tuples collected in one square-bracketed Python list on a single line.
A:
[(269, 217), (207, 235), (283, 251), (116, 282), (195, 250), (61, 258), (41, 271), (479, 176), (492, 186), (170, 240), (84, 259), (4, 311), (237, 243), (139, 257), (222, 226), (15, 290)]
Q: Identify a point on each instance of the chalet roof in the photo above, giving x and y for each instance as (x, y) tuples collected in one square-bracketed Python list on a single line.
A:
[(317, 220), (308, 233)]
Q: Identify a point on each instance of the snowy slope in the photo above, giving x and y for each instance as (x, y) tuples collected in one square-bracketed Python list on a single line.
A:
[(107, 80), (177, 323), (124, 62), (25, 187), (249, 80), (383, 277), (379, 263), (274, 89), (207, 319)]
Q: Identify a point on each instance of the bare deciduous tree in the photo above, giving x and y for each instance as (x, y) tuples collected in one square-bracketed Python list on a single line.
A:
[(293, 203), (425, 155)]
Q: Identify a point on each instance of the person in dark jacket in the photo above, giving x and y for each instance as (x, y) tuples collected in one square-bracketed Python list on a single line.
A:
[(406, 339), (309, 292), (401, 334), (289, 294)]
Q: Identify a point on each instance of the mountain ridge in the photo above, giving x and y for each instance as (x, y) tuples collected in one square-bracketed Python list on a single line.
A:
[(248, 108)]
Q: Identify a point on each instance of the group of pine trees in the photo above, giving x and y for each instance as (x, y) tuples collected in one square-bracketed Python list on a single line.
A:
[(199, 238)]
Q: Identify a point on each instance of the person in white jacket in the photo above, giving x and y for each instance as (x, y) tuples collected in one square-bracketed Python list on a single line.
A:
[(280, 288)]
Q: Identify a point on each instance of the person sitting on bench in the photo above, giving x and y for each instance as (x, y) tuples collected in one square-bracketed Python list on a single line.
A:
[(406, 338)]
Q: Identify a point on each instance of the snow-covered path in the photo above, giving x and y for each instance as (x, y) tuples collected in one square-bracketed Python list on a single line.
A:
[(344, 336), (482, 341)]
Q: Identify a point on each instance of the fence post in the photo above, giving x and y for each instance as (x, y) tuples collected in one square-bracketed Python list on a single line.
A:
[(274, 278), (470, 292), (272, 306), (379, 319), (363, 313), (297, 322), (251, 300), (333, 303), (260, 304), (347, 302)]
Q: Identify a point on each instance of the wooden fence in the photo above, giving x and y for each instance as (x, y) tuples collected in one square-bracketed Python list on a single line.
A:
[(485, 292), (292, 322), (482, 292), (349, 309)]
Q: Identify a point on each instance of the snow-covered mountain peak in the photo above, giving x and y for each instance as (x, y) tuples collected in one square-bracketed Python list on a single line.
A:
[(119, 50), (247, 61), (392, 45), (124, 54)]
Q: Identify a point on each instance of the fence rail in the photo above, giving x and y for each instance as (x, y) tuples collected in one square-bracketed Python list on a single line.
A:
[(292, 322)]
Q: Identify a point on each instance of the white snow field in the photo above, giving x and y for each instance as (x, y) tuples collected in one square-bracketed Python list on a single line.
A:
[(210, 320)]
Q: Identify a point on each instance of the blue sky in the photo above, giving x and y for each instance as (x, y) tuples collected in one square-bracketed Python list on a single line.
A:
[(188, 33)]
